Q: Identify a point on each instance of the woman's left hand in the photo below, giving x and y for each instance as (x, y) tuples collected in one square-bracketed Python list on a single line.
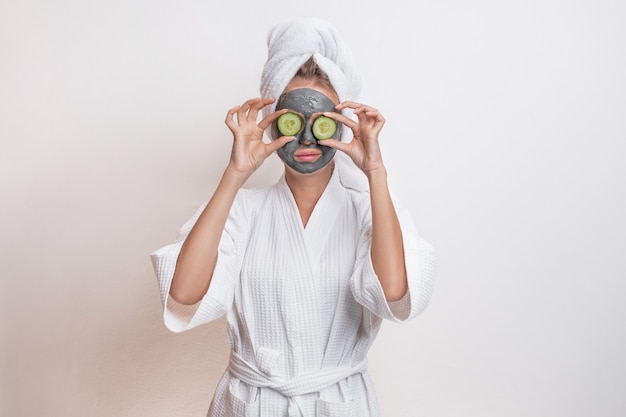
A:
[(364, 148)]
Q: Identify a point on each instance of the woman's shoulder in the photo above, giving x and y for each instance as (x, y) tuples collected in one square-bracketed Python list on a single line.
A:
[(253, 197)]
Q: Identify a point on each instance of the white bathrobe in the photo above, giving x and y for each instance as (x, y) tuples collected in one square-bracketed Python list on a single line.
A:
[(303, 303)]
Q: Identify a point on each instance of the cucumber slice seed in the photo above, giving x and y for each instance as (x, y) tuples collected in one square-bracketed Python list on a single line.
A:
[(324, 128), (289, 124)]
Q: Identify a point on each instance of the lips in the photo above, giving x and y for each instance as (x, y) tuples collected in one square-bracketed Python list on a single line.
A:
[(307, 155)]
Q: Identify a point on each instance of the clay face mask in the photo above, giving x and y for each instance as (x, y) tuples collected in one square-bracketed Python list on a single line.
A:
[(305, 154)]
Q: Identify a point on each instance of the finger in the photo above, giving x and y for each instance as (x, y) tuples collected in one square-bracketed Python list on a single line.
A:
[(363, 108), (256, 107), (370, 117), (348, 104), (376, 116), (249, 103), (269, 119), (359, 110), (278, 143), (351, 123), (368, 114), (230, 117), (243, 110)]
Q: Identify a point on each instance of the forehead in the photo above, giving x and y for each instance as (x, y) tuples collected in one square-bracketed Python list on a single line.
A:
[(300, 82), (305, 100)]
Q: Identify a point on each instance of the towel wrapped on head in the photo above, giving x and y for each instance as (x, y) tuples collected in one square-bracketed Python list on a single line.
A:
[(290, 44)]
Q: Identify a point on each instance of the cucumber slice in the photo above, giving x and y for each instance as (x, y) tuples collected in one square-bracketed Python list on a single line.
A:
[(324, 128), (289, 124)]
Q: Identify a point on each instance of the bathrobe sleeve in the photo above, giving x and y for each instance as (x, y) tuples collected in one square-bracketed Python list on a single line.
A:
[(420, 261), (219, 297)]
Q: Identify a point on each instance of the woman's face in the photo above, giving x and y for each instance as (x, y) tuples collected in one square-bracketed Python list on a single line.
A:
[(305, 154)]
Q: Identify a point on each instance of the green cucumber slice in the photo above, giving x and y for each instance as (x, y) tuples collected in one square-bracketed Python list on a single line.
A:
[(324, 128), (289, 124)]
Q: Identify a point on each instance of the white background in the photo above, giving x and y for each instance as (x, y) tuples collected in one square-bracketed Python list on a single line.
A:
[(505, 137)]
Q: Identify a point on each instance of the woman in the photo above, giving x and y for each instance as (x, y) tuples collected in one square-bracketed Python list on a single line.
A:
[(305, 269)]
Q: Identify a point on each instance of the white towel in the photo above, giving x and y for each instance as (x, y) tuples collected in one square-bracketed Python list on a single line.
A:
[(290, 44)]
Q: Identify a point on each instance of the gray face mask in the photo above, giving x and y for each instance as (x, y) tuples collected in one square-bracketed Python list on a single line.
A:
[(300, 154)]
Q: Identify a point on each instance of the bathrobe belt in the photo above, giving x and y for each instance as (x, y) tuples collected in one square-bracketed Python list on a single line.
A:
[(305, 383)]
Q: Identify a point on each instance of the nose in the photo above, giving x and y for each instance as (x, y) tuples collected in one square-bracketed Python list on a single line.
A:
[(307, 138)]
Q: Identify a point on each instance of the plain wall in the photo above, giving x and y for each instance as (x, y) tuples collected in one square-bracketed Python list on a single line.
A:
[(505, 136)]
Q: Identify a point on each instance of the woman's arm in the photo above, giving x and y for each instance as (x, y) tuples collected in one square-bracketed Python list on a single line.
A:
[(387, 250), (198, 256)]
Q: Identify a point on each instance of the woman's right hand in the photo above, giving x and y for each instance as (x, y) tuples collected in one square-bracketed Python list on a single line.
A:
[(249, 150)]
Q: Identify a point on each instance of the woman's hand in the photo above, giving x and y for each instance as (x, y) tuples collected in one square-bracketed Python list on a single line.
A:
[(249, 151), (364, 148)]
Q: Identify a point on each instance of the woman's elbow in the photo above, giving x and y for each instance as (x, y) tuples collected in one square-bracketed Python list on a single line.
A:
[(185, 298), (185, 294), (396, 290)]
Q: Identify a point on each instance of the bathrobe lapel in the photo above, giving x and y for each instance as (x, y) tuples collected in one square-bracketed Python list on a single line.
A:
[(315, 235)]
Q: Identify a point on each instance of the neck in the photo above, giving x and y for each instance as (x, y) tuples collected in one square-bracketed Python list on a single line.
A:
[(308, 188)]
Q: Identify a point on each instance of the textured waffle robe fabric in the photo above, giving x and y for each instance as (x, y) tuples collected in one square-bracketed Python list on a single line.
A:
[(303, 304)]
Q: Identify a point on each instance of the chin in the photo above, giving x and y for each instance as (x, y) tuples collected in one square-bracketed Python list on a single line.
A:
[(304, 169)]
